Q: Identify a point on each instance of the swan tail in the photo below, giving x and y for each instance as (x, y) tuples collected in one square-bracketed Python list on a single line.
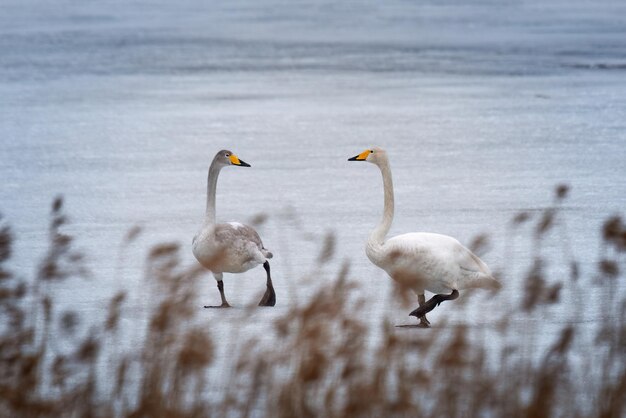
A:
[(490, 282), (482, 281)]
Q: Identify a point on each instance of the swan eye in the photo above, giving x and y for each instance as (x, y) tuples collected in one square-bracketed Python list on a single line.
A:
[(372, 151), (227, 154)]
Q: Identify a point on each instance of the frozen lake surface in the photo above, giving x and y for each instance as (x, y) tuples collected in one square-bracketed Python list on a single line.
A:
[(483, 108)]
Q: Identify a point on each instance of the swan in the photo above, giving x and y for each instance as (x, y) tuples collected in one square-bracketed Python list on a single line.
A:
[(229, 247), (419, 260)]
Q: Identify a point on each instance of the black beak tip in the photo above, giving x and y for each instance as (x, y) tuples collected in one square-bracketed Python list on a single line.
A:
[(244, 164), (353, 159)]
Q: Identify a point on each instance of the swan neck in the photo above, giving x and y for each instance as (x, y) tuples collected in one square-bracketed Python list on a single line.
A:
[(377, 237), (214, 171)]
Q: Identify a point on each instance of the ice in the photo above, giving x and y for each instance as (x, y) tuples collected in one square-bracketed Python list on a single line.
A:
[(483, 108)]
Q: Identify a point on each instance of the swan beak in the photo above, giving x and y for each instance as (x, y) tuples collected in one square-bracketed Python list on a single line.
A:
[(361, 157), (234, 160)]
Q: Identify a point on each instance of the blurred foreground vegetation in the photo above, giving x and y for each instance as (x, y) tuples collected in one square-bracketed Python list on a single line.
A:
[(320, 363)]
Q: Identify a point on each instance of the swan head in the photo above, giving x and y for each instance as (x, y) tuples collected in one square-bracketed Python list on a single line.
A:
[(374, 155), (226, 157)]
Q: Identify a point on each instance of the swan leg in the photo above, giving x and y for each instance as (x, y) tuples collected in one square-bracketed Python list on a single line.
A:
[(432, 303), (424, 323), (269, 298), (220, 287)]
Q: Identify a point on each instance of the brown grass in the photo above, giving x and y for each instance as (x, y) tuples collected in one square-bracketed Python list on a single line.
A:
[(322, 360)]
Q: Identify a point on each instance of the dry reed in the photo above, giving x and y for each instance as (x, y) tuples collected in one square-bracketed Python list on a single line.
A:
[(322, 361)]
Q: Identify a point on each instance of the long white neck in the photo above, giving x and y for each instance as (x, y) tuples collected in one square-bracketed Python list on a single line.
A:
[(377, 236), (214, 171)]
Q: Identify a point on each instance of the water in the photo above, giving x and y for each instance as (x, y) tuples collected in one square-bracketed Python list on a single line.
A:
[(483, 108)]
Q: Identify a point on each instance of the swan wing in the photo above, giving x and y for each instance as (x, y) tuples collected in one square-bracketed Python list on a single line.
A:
[(444, 248), (237, 235), (469, 261), (423, 257), (228, 233), (438, 260), (476, 273)]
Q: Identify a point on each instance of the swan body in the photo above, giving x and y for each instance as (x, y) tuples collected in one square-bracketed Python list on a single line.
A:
[(440, 262), (229, 247), (422, 261)]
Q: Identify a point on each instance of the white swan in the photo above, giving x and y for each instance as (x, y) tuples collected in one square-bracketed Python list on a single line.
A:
[(229, 247), (422, 261)]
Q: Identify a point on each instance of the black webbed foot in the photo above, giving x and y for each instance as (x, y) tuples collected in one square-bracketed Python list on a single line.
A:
[(269, 298), (223, 305), (432, 304)]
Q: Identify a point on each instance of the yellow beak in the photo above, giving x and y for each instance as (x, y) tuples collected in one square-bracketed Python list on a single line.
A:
[(234, 160), (361, 157)]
